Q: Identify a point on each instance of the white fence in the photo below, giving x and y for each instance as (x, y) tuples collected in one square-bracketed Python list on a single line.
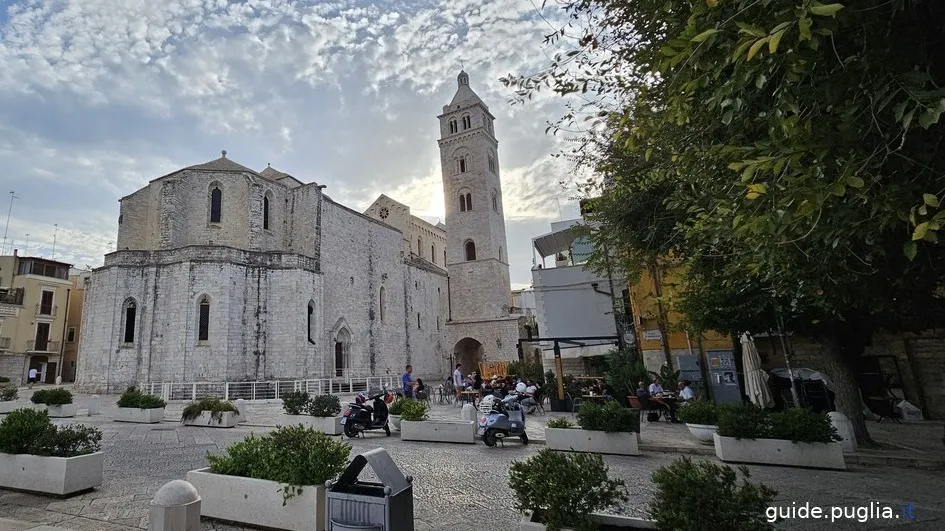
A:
[(262, 391)]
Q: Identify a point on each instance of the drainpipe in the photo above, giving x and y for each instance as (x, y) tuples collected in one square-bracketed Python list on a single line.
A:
[(62, 343), (449, 299)]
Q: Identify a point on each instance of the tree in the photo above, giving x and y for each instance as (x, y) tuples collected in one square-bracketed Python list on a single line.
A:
[(789, 154)]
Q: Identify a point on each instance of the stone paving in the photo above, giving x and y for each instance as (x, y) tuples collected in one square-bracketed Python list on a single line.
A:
[(458, 487)]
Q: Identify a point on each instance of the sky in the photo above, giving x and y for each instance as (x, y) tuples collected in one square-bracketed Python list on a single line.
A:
[(98, 97)]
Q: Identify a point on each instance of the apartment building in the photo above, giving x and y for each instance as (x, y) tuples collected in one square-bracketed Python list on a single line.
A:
[(70, 347), (35, 296)]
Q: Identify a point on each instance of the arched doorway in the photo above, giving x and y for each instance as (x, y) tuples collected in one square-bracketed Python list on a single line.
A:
[(468, 351), (45, 371), (342, 352)]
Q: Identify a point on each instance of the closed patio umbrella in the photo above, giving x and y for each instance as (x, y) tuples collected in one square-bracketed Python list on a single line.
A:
[(756, 380)]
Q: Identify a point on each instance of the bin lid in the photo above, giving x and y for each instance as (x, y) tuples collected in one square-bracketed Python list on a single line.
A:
[(383, 466)]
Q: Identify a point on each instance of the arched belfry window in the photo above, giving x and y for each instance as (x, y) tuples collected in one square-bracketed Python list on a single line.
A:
[(463, 165), (419, 247), (462, 203), (310, 322), (266, 211), (454, 128), (470, 250), (130, 318), (216, 204), (468, 201), (381, 304), (467, 122), (433, 253), (495, 201), (203, 319)]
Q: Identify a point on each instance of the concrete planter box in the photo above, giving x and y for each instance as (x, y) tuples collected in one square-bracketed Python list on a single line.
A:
[(326, 425), (703, 432), (61, 412), (6, 407), (258, 502), (597, 442), (51, 475), (227, 419), (394, 421), (438, 431), (620, 522), (779, 452), (140, 416)]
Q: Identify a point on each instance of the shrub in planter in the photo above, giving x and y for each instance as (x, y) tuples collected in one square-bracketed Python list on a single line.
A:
[(742, 421), (293, 456), (801, 425), (413, 411), (8, 394), (562, 490), (702, 412), (397, 408), (52, 397), (323, 406), (610, 417), (295, 403), (29, 431), (704, 495), (560, 423), (215, 406), (135, 398)]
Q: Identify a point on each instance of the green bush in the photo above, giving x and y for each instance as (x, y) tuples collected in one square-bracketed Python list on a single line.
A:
[(29, 431), (8, 394), (562, 489), (609, 417), (324, 406), (743, 421), (413, 410), (294, 403), (135, 398), (397, 407), (699, 412), (52, 397), (801, 425), (527, 370), (294, 456), (623, 372), (560, 423), (703, 495), (215, 406)]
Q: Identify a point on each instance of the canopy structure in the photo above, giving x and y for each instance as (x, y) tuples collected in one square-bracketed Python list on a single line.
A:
[(555, 242)]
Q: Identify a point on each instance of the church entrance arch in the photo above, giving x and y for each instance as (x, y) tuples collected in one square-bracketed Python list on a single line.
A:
[(468, 351), (342, 352)]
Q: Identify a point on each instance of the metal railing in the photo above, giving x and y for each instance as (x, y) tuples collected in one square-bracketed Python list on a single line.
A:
[(264, 391), (42, 346), (48, 310), (12, 296), (6, 343)]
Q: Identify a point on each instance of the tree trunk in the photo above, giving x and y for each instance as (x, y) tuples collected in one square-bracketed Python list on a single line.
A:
[(663, 319), (844, 346)]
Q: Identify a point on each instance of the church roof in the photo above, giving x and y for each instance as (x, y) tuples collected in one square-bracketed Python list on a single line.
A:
[(272, 173), (220, 164), (464, 93)]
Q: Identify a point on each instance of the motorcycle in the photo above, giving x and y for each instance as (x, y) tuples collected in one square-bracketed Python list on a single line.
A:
[(361, 416), (507, 419)]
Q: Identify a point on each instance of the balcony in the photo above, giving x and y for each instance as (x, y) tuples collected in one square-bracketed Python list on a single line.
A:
[(46, 310), (42, 346), (11, 296), (6, 343)]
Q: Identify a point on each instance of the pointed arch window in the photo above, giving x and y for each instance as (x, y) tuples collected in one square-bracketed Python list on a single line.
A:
[(310, 322), (495, 201), (467, 122), (381, 304), (419, 247), (130, 311), (266, 212), (468, 201), (203, 319), (444, 256), (462, 203), (462, 164), (470, 251), (216, 205), (492, 164), (433, 253), (454, 128)]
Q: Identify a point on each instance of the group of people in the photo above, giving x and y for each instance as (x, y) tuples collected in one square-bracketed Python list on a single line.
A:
[(411, 388), (501, 386), (668, 401)]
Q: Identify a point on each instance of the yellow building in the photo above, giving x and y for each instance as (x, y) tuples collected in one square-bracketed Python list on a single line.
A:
[(70, 349), (35, 296)]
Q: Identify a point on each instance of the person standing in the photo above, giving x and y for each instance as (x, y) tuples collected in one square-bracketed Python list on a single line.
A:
[(407, 382), (458, 381), (31, 377)]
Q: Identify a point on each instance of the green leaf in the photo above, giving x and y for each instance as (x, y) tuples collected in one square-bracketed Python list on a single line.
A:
[(930, 117), (803, 27), (705, 35), (646, 156), (838, 190), (751, 196), (907, 120), (755, 48), (900, 109), (827, 10), (920, 231), (775, 41), (910, 249), (930, 200), (855, 182), (759, 188), (727, 117)]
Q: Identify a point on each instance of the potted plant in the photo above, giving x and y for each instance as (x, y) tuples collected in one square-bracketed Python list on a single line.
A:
[(702, 419), (606, 429), (415, 426), (58, 402), (319, 412), (37, 456), (8, 396), (276, 480), (793, 437), (136, 406), (394, 413), (703, 495), (211, 412), (558, 491)]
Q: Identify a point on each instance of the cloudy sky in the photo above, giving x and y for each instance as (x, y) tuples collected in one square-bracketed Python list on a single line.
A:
[(97, 97)]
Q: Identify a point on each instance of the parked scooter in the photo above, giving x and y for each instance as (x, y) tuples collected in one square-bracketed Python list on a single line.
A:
[(361, 416), (507, 419)]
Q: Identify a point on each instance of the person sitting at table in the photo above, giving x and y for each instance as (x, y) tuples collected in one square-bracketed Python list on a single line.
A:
[(597, 388), (667, 407), (520, 387), (655, 387), (641, 390), (420, 390), (685, 393)]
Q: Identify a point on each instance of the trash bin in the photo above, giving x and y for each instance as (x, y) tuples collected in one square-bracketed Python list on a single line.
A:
[(352, 505)]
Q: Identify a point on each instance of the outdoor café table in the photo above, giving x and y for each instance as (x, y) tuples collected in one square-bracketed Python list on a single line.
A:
[(469, 396), (596, 398)]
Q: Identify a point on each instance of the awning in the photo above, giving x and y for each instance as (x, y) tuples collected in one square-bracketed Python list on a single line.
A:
[(556, 242)]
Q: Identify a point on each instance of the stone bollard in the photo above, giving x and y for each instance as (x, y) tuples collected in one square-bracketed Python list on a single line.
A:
[(469, 413), (175, 507), (241, 408), (58, 380), (93, 405), (845, 430)]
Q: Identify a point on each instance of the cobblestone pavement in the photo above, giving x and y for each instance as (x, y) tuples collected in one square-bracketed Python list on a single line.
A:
[(456, 487)]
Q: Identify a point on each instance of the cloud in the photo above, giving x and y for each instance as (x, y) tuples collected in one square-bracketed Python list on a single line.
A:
[(99, 96)]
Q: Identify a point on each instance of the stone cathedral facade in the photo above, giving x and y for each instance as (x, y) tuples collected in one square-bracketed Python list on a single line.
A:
[(223, 273)]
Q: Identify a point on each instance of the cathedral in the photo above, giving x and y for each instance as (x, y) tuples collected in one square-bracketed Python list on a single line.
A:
[(226, 274)]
